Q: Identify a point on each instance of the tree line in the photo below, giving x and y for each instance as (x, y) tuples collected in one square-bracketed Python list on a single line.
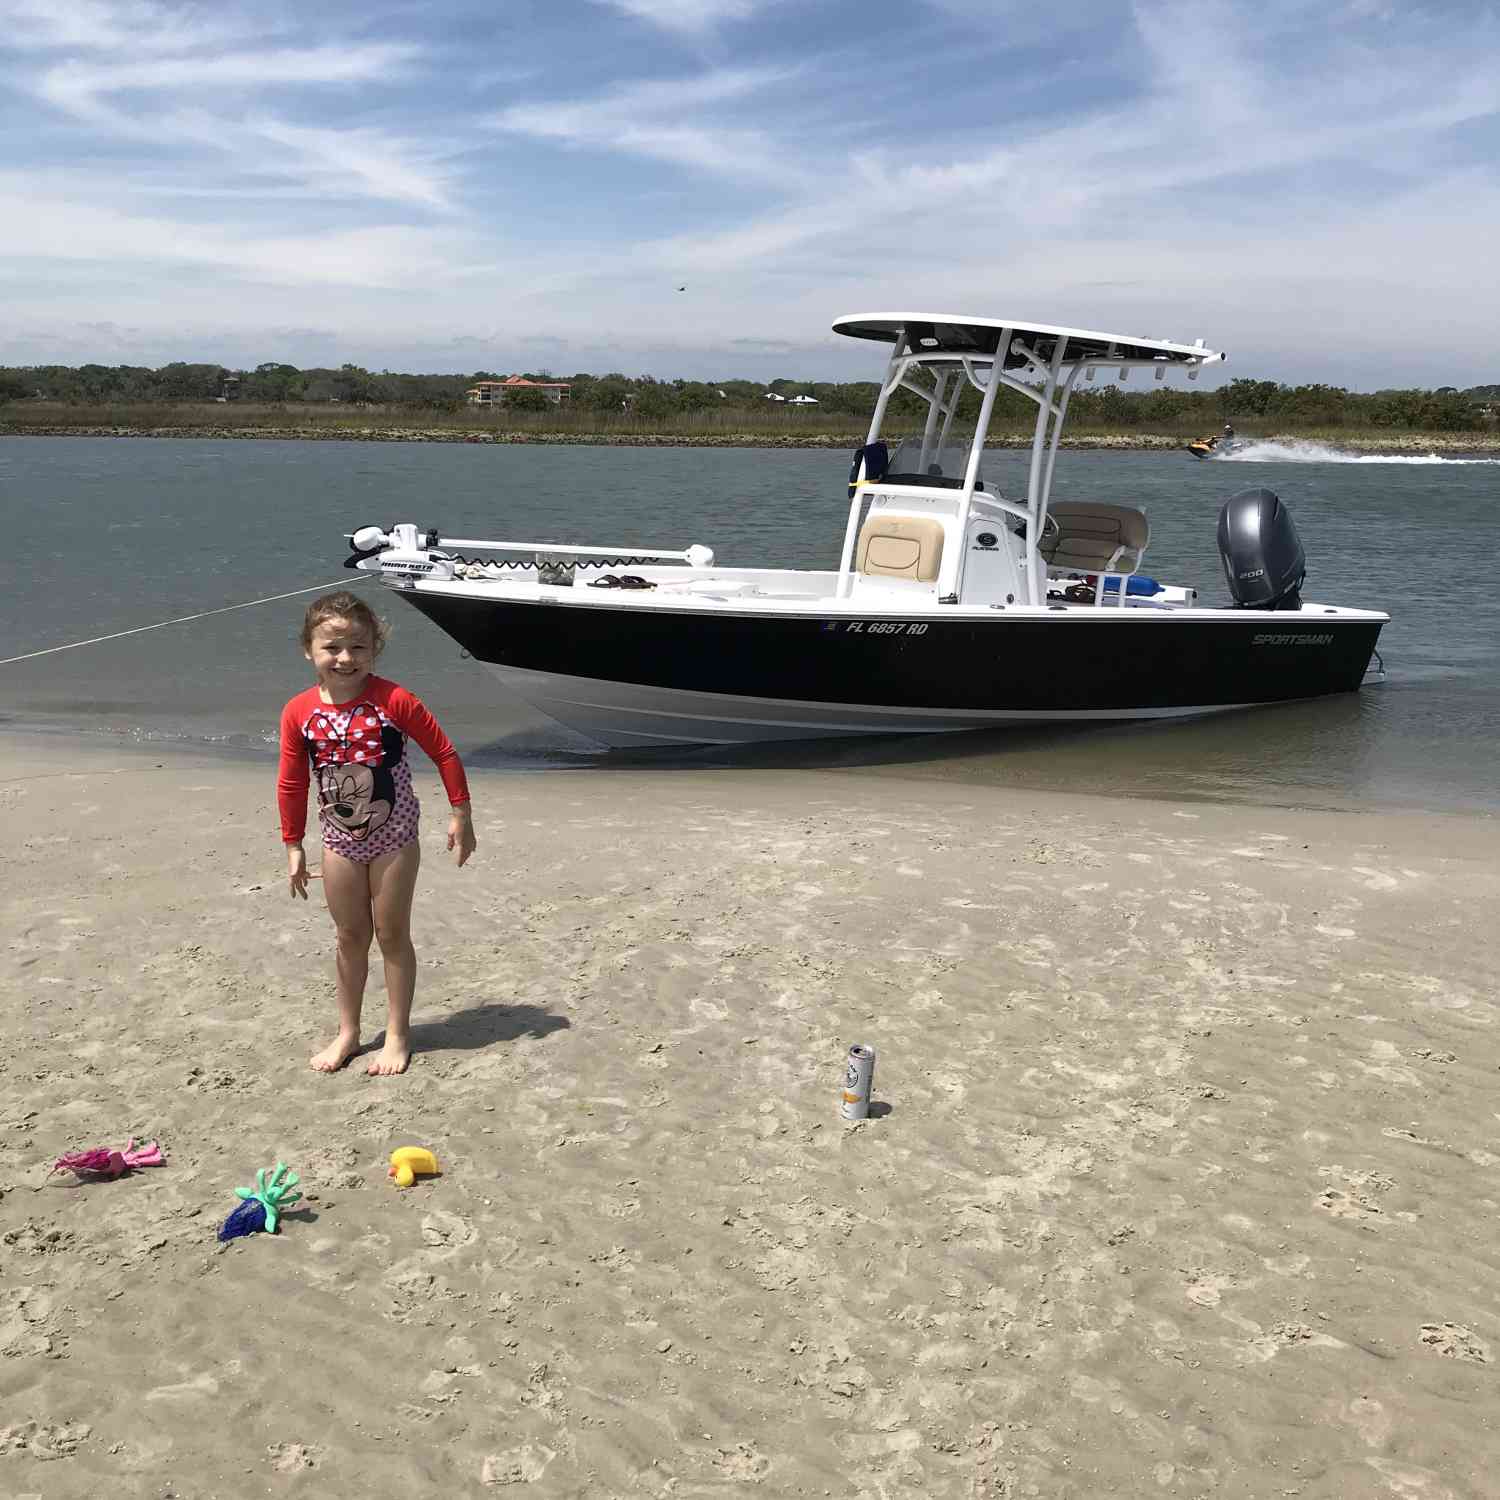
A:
[(1256, 403)]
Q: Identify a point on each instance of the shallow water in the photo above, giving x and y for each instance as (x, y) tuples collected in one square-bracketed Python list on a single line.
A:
[(107, 534)]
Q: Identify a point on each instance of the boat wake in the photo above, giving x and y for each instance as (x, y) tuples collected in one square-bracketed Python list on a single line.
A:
[(1298, 451)]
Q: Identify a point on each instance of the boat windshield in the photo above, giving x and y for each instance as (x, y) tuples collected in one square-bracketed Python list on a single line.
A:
[(944, 466)]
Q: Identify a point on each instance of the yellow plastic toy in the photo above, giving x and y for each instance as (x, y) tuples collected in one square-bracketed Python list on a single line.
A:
[(410, 1162)]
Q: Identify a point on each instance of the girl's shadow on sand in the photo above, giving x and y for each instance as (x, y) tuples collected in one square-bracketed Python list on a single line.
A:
[(483, 1025)]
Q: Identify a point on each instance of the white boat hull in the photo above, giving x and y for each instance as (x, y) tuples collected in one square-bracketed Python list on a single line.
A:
[(624, 715)]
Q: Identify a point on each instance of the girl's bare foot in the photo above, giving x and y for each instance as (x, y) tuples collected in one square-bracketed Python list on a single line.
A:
[(392, 1058), (336, 1053)]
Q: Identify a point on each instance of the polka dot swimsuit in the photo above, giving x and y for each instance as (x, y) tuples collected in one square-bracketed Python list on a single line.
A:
[(362, 814), (355, 755)]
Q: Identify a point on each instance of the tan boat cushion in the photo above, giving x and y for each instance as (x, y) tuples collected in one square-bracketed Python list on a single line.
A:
[(900, 547), (1094, 538)]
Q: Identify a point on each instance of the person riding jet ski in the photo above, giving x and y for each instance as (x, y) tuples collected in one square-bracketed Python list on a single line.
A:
[(1211, 444)]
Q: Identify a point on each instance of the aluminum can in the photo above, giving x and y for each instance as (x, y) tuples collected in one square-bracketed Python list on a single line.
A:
[(859, 1075)]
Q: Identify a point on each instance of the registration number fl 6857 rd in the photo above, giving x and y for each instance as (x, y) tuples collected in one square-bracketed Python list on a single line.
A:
[(879, 627)]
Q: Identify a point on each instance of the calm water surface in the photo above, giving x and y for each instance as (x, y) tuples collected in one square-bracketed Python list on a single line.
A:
[(105, 534)]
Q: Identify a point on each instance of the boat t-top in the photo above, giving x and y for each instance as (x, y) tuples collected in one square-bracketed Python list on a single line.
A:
[(955, 604)]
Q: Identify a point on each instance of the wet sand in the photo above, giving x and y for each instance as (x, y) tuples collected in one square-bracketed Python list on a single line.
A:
[(1182, 1179)]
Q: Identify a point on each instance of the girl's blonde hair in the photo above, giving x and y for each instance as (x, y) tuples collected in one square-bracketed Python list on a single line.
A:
[(343, 606)]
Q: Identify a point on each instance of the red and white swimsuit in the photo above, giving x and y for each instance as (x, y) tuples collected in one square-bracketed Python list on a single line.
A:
[(357, 751)]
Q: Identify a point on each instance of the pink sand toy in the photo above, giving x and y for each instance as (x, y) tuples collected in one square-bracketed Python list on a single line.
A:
[(101, 1161)]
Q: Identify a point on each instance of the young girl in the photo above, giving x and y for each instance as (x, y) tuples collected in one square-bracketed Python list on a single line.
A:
[(349, 733)]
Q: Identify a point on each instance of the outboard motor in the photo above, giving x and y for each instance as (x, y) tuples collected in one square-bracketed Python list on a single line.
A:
[(1263, 557)]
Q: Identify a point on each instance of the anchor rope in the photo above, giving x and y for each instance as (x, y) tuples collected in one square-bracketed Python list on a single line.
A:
[(180, 620)]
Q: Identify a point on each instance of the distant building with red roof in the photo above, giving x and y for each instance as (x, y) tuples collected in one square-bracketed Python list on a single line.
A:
[(494, 392)]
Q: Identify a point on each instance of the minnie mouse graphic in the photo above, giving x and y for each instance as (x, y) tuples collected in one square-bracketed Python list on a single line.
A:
[(355, 766)]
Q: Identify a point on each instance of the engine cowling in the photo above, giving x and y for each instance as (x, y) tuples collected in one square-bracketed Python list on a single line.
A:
[(1262, 554)]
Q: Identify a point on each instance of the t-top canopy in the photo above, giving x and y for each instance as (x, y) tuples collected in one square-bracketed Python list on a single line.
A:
[(952, 333)]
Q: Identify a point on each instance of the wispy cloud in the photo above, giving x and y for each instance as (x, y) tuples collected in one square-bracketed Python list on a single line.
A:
[(164, 63), (56, 230), (80, 88), (365, 162), (120, 26), (692, 18), (1129, 161), (680, 121)]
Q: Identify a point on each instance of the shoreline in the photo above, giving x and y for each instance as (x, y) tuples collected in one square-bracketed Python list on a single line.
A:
[(38, 739), (1397, 443)]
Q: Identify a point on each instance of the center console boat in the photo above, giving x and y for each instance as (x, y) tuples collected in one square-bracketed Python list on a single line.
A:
[(954, 605)]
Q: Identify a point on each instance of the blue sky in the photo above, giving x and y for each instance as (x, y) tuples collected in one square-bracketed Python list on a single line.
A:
[(527, 184)]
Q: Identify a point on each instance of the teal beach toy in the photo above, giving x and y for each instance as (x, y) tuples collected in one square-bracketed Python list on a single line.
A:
[(262, 1204)]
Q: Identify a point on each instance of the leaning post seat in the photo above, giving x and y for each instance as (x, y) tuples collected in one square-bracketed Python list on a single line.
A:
[(1108, 541), (900, 547)]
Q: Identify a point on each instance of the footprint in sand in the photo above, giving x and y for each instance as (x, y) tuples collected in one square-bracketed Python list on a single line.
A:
[(545, 1392), (202, 1386), (445, 1234), (523, 1465), (36, 1239), (1207, 1290), (1410, 1483), (294, 1458), (742, 1463), (1454, 1341), (1344, 1205), (616, 1258), (30, 1308), (1286, 1265), (43, 1440), (412, 1292), (1368, 1418)]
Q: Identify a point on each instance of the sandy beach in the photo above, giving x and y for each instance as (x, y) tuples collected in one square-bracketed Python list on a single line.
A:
[(1182, 1179)]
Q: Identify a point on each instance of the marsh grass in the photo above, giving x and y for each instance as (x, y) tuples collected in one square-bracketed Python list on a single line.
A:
[(752, 425)]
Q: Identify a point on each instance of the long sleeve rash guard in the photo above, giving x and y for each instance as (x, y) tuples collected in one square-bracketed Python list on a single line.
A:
[(357, 733)]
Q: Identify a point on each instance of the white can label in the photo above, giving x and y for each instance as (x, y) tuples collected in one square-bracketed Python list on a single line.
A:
[(859, 1076)]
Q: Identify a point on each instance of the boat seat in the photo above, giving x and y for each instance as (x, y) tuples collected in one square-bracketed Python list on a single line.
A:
[(900, 547), (1108, 541)]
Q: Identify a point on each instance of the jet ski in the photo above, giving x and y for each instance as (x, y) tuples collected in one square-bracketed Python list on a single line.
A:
[(1218, 443)]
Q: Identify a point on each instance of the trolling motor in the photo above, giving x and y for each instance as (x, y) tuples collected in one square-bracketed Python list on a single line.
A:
[(1261, 551), (404, 551)]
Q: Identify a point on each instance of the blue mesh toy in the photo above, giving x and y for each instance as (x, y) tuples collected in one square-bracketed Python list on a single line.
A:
[(263, 1203)]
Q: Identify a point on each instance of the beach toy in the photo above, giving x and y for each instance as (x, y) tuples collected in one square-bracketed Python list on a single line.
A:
[(263, 1203), (102, 1161), (411, 1162)]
